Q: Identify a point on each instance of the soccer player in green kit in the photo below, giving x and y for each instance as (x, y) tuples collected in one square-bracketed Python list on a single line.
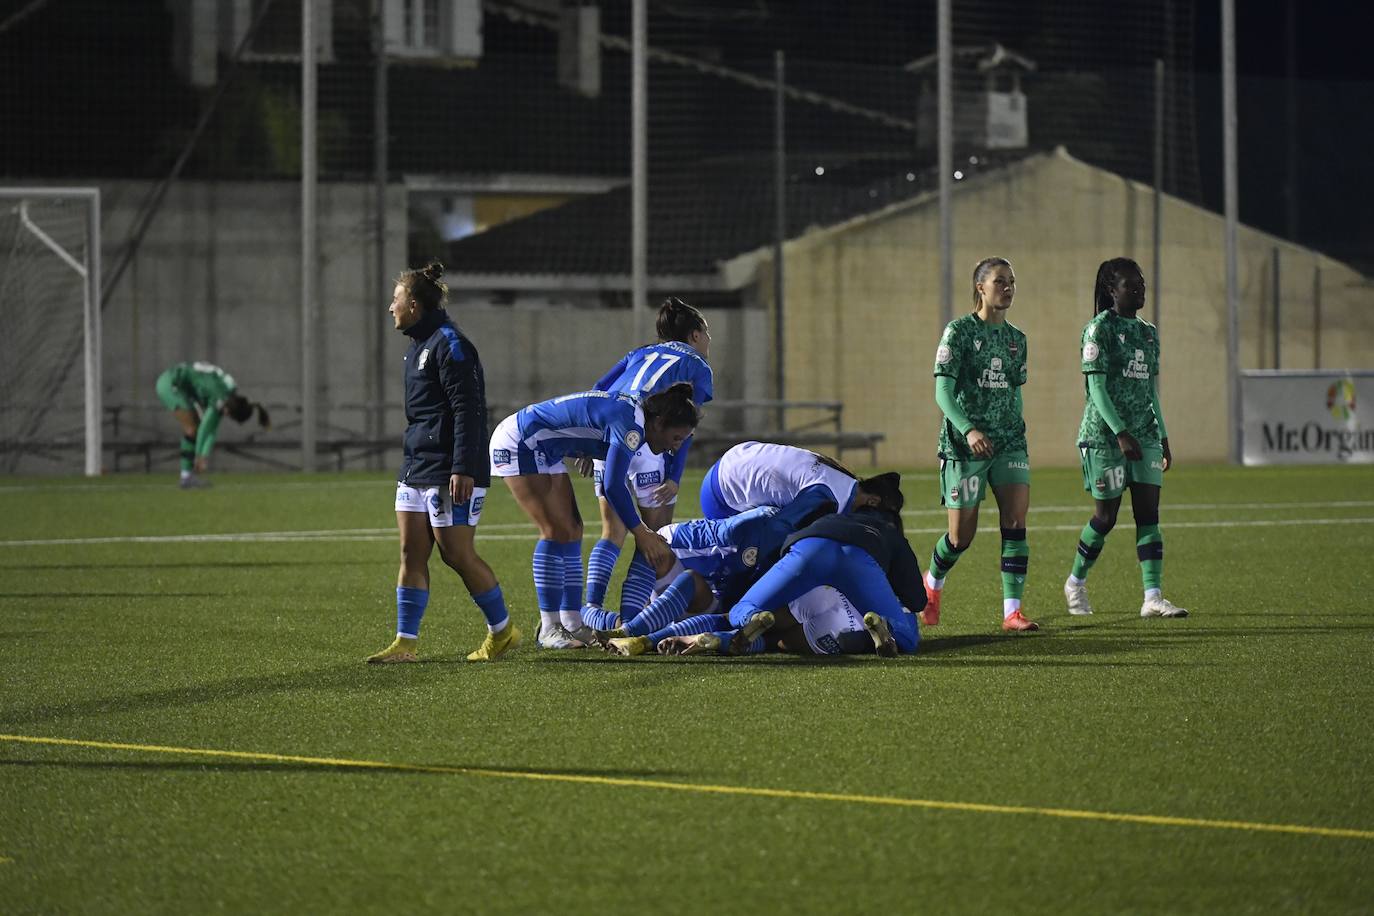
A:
[(980, 366), (196, 394), (1122, 439)]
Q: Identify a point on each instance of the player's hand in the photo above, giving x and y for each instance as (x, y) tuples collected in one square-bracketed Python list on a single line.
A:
[(1168, 456), (460, 488), (202, 464), (664, 493), (980, 444), (1128, 445), (654, 548), (584, 466)]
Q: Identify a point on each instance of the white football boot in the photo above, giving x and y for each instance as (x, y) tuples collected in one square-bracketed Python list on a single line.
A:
[(1159, 606), (1077, 597)]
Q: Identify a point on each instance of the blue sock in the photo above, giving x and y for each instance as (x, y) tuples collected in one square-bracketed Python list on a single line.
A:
[(600, 565), (638, 587), (664, 609), (410, 610), (600, 619), (691, 626), (493, 606), (548, 576), (570, 610)]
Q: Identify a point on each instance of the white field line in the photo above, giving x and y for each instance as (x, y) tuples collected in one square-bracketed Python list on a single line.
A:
[(389, 534)]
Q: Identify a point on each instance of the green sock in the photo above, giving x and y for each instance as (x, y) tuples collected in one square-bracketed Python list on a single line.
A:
[(1149, 548), (188, 453), (1090, 543), (1015, 560), (944, 558)]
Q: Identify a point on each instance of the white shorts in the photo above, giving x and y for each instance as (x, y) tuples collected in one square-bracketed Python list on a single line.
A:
[(511, 458), (824, 614), (647, 473), (435, 502)]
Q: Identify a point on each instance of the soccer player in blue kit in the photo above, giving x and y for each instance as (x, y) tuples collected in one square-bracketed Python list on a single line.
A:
[(528, 449), (681, 354)]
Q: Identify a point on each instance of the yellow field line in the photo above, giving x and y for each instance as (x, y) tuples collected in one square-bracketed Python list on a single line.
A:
[(888, 801)]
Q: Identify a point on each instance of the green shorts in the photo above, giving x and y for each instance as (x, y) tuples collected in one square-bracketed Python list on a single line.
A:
[(963, 483), (1107, 472), (172, 397)]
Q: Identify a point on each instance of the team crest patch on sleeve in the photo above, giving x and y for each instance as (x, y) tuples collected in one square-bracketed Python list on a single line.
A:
[(1090, 352), (750, 557), (500, 456), (633, 440), (943, 354)]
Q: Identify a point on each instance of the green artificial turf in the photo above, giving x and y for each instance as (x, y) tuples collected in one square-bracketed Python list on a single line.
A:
[(1253, 711)]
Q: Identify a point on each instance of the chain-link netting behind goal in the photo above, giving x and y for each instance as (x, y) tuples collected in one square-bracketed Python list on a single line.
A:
[(44, 259)]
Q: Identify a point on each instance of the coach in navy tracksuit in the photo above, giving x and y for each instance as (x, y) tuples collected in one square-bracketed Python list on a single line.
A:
[(862, 554), (445, 470)]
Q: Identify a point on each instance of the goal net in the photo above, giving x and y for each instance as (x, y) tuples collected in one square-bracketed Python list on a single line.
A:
[(50, 368)]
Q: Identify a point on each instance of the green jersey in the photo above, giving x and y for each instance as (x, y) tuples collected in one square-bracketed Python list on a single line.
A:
[(207, 386), (1126, 351), (988, 365)]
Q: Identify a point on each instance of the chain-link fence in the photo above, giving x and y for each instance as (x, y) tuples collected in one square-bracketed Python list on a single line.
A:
[(505, 150)]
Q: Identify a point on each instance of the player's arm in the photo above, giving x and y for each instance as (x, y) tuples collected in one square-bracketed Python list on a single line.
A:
[(206, 434), (978, 443), (610, 378), (1159, 421), (809, 505), (458, 376), (1097, 391)]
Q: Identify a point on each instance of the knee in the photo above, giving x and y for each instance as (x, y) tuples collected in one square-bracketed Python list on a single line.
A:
[(414, 558), (460, 559), (1103, 521), (960, 540)]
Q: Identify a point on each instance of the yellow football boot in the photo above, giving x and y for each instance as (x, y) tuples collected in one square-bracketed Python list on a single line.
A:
[(496, 645), (403, 649)]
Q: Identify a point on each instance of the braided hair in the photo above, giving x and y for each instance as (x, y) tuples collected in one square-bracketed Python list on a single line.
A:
[(1109, 274)]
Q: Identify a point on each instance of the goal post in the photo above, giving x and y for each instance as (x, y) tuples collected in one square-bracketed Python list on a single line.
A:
[(49, 257)]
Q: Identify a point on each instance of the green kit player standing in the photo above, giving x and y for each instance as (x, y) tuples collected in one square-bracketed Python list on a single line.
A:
[(1122, 439), (196, 394), (980, 367)]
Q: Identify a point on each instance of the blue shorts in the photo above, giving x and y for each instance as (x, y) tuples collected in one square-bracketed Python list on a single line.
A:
[(713, 504)]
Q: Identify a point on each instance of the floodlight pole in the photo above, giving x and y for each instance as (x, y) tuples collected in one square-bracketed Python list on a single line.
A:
[(779, 227), (309, 237), (1232, 207), (639, 174), (944, 80), (1156, 276)]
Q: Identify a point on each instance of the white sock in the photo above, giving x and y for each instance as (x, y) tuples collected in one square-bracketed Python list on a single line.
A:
[(1153, 593), (185, 474), (934, 584), (1075, 581), (1010, 606), (500, 626), (548, 620), (571, 620)]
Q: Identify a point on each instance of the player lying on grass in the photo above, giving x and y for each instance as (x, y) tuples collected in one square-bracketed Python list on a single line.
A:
[(718, 558), (863, 555), (197, 394), (1122, 439), (754, 474), (684, 345), (444, 471), (821, 622), (528, 449)]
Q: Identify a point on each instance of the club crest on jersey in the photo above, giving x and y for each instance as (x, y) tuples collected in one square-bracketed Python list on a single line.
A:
[(423, 358), (943, 354), (750, 557), (1090, 352), (633, 440), (1011, 347)]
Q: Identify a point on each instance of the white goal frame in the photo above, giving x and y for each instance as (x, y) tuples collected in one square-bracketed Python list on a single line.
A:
[(90, 273)]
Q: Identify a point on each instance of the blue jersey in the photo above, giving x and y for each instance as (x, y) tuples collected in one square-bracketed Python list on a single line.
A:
[(730, 552), (590, 424), (648, 370)]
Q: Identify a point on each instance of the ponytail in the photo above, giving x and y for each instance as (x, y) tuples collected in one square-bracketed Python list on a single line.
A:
[(424, 285), (673, 406), (677, 320), (240, 410)]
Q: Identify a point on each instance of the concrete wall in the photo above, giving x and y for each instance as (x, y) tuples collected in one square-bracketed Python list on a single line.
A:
[(863, 317), (217, 278)]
